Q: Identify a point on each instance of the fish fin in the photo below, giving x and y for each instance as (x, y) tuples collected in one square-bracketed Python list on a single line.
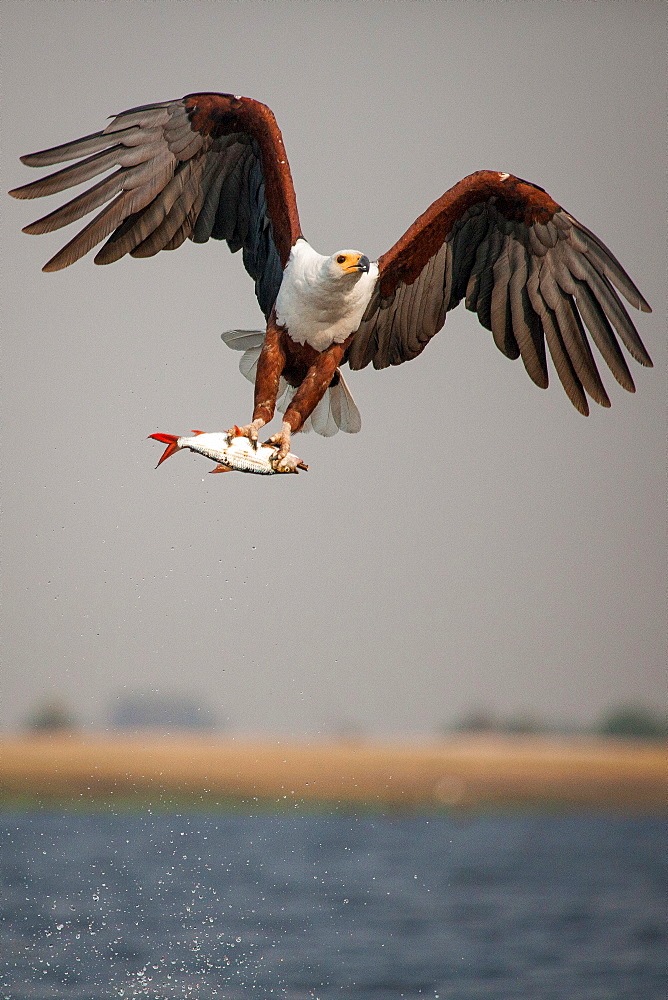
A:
[(198, 432), (170, 440), (222, 468)]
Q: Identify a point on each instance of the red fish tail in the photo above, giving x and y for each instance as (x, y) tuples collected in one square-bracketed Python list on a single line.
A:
[(170, 440)]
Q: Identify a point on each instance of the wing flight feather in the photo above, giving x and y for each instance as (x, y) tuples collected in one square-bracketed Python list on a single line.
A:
[(534, 275), (208, 165)]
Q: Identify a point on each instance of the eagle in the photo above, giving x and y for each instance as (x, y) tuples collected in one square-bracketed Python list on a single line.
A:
[(214, 166)]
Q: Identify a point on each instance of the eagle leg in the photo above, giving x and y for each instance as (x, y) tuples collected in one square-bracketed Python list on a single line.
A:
[(267, 379), (313, 387), (282, 440), (248, 430)]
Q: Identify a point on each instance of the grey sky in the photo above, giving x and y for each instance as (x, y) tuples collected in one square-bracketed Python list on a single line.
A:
[(479, 543)]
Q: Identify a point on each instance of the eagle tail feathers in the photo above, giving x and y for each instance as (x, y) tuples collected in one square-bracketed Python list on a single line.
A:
[(243, 340), (336, 410), (248, 363), (344, 408)]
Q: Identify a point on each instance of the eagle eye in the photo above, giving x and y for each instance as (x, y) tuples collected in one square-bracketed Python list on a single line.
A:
[(341, 259)]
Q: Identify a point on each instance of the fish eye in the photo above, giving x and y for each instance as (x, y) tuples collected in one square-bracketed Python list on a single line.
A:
[(341, 259)]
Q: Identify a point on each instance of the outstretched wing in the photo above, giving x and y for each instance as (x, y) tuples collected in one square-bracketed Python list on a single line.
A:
[(205, 165), (531, 272)]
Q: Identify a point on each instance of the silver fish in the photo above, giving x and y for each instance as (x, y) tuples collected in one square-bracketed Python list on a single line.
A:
[(232, 452)]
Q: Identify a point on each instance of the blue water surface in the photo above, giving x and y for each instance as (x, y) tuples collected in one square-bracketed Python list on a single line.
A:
[(196, 906)]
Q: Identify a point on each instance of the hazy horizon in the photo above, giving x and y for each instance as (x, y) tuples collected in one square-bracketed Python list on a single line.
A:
[(479, 544)]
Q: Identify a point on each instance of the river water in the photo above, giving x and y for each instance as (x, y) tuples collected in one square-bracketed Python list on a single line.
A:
[(195, 906)]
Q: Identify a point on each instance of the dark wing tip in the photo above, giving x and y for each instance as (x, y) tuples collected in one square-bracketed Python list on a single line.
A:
[(59, 261), (53, 265)]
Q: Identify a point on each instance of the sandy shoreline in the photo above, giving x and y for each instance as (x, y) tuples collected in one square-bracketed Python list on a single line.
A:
[(459, 772)]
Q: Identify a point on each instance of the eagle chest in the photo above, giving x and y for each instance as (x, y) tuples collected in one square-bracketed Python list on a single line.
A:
[(298, 359)]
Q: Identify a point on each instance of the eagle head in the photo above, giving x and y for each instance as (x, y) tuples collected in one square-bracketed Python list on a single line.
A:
[(349, 262)]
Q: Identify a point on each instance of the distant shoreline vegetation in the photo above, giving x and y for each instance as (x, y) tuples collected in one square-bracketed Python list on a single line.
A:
[(174, 713), (633, 721)]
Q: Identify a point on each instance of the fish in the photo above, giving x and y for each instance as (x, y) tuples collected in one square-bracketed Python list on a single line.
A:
[(232, 451)]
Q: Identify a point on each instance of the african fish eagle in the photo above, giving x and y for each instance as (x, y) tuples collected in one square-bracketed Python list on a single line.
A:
[(214, 165)]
